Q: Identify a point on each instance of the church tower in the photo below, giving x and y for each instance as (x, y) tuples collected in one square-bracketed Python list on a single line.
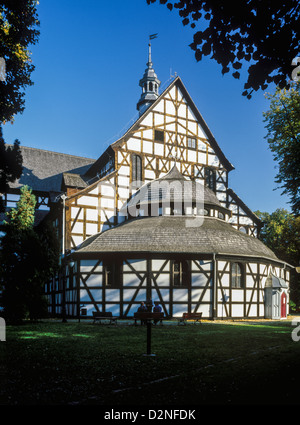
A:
[(150, 84)]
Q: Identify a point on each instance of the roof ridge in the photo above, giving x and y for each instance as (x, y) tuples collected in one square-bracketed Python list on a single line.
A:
[(142, 116), (212, 141), (53, 152)]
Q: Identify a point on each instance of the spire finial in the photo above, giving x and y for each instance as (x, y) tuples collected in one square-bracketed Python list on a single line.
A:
[(149, 64), (151, 37), (149, 83)]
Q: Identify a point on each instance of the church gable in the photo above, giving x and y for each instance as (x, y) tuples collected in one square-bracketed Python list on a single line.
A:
[(172, 128)]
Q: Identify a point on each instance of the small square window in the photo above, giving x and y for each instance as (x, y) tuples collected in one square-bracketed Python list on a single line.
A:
[(159, 135), (181, 275), (191, 143)]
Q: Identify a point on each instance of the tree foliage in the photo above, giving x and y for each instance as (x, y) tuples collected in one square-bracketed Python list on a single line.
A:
[(10, 165), (281, 233), (29, 256), (283, 125), (264, 33), (22, 217), (18, 30)]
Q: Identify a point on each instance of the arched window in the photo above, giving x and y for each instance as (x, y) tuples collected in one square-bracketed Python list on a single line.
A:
[(136, 171), (210, 178), (237, 275), (150, 86), (181, 275)]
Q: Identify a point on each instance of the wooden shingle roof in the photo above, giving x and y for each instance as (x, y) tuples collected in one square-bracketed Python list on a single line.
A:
[(43, 170), (174, 187), (170, 234)]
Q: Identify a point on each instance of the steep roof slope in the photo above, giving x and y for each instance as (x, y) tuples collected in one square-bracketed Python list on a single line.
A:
[(43, 170), (176, 82)]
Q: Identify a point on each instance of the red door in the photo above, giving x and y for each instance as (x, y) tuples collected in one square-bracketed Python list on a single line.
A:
[(283, 304)]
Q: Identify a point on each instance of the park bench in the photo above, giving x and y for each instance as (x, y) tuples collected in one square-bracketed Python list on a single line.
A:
[(99, 315), (195, 317), (144, 316)]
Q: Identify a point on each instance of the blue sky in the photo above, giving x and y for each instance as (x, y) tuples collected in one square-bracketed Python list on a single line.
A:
[(89, 59)]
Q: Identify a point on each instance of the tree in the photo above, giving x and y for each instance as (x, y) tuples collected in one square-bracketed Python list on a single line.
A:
[(22, 217), (281, 233), (283, 125), (28, 258), (261, 32), (18, 30), (10, 165)]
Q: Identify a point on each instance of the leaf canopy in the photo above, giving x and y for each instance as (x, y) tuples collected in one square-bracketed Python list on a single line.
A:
[(264, 33)]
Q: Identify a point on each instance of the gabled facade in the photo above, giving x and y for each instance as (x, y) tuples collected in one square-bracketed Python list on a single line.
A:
[(219, 268), (171, 129)]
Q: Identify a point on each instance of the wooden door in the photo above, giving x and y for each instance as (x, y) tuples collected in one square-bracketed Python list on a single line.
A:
[(283, 304)]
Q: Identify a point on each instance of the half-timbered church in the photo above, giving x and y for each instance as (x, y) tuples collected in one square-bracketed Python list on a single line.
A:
[(154, 219)]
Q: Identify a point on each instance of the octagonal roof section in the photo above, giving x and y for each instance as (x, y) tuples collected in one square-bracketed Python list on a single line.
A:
[(176, 189)]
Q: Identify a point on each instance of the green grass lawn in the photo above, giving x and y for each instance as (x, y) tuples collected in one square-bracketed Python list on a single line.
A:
[(212, 363)]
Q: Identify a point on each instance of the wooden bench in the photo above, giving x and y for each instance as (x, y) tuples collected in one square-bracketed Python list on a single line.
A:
[(144, 316), (195, 317), (98, 315)]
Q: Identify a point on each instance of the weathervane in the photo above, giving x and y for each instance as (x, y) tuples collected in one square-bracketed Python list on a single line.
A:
[(151, 37)]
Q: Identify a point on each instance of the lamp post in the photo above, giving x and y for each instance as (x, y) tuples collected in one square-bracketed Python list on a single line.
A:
[(63, 197), (63, 308)]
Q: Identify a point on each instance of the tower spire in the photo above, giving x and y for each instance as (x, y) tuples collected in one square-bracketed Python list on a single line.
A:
[(149, 83), (149, 55)]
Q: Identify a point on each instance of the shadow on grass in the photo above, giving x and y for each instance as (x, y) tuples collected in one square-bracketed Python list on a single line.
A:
[(213, 363)]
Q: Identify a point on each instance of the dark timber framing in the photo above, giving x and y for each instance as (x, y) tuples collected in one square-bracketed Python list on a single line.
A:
[(214, 289)]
